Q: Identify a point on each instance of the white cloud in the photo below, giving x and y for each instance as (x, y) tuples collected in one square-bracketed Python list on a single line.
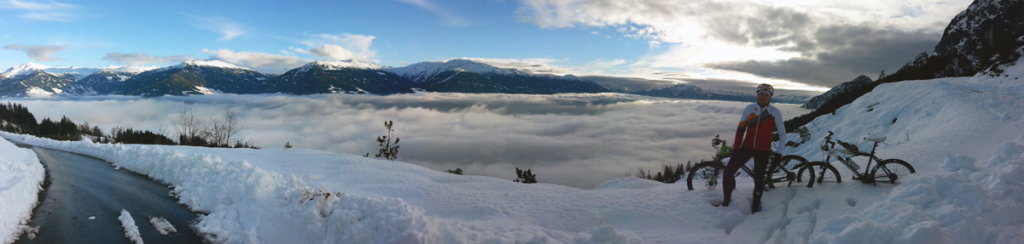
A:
[(577, 140), (137, 59), (339, 47), (447, 17), (50, 11), (332, 51), (39, 53), (262, 62), (227, 28)]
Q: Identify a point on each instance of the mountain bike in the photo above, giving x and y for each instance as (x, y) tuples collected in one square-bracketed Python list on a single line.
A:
[(889, 170), (710, 172)]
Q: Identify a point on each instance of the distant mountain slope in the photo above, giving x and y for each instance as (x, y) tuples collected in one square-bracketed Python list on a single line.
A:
[(37, 84), (31, 79), (196, 77), (693, 92), (339, 77), (461, 75), (845, 88), (496, 82), (107, 81), (423, 71)]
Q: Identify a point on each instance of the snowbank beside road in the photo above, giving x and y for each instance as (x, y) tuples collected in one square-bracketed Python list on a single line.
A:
[(21, 177)]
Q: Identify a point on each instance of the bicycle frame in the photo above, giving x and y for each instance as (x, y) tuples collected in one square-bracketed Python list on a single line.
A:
[(849, 160)]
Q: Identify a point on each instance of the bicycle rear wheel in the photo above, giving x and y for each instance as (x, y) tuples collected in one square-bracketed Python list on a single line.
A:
[(780, 171), (708, 174), (892, 170)]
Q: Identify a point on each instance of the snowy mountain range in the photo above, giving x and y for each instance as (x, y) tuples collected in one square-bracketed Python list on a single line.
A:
[(348, 76)]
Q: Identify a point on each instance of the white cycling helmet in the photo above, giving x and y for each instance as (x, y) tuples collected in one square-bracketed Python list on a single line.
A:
[(766, 87)]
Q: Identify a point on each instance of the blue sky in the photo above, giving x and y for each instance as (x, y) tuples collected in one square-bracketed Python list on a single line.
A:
[(796, 44)]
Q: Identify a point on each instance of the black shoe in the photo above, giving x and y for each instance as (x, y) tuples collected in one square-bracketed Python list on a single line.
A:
[(725, 203)]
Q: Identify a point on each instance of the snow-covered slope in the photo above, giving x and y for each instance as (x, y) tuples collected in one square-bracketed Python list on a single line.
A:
[(965, 136)]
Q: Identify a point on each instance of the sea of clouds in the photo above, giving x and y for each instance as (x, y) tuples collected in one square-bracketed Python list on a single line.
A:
[(577, 140)]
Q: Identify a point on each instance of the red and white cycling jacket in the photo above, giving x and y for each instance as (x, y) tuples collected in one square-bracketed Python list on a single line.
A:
[(757, 123)]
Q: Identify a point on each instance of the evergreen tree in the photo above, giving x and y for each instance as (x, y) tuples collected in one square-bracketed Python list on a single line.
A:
[(387, 151), (526, 177)]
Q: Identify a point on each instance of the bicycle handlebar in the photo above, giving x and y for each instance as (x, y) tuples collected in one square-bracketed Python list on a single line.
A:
[(828, 144), (716, 142)]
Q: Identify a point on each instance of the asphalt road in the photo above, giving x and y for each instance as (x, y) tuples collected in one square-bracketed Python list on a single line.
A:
[(80, 187)]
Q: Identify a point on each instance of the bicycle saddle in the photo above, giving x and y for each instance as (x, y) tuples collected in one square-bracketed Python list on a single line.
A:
[(877, 139)]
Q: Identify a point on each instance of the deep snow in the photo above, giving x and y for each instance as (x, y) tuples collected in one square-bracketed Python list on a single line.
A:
[(963, 135)]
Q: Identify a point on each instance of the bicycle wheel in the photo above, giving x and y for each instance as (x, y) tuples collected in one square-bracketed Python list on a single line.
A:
[(825, 173), (892, 170), (708, 174), (780, 170)]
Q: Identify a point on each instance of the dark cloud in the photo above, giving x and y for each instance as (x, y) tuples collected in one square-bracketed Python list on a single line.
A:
[(769, 26), (836, 54)]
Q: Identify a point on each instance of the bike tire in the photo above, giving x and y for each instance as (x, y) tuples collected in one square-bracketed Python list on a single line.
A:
[(892, 170), (780, 171), (708, 174), (827, 173)]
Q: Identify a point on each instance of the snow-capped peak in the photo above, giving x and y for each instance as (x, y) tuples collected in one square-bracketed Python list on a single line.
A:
[(130, 69), (23, 69), (31, 68), (215, 63), (422, 71), (342, 64)]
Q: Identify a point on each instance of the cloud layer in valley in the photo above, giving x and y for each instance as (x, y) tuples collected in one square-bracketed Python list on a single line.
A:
[(576, 140)]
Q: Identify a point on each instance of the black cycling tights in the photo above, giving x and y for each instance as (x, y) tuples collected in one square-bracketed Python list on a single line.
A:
[(739, 158)]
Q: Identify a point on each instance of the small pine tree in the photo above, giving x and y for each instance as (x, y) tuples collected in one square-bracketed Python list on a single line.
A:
[(881, 75), (526, 177), (387, 151), (288, 144)]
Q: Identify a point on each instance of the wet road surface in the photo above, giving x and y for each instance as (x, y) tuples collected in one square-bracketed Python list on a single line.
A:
[(80, 187)]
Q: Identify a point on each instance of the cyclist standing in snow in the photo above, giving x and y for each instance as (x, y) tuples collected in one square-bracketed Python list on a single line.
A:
[(754, 140)]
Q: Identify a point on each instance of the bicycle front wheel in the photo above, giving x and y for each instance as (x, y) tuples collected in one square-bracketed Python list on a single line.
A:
[(826, 173), (780, 171), (708, 174), (892, 170)]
